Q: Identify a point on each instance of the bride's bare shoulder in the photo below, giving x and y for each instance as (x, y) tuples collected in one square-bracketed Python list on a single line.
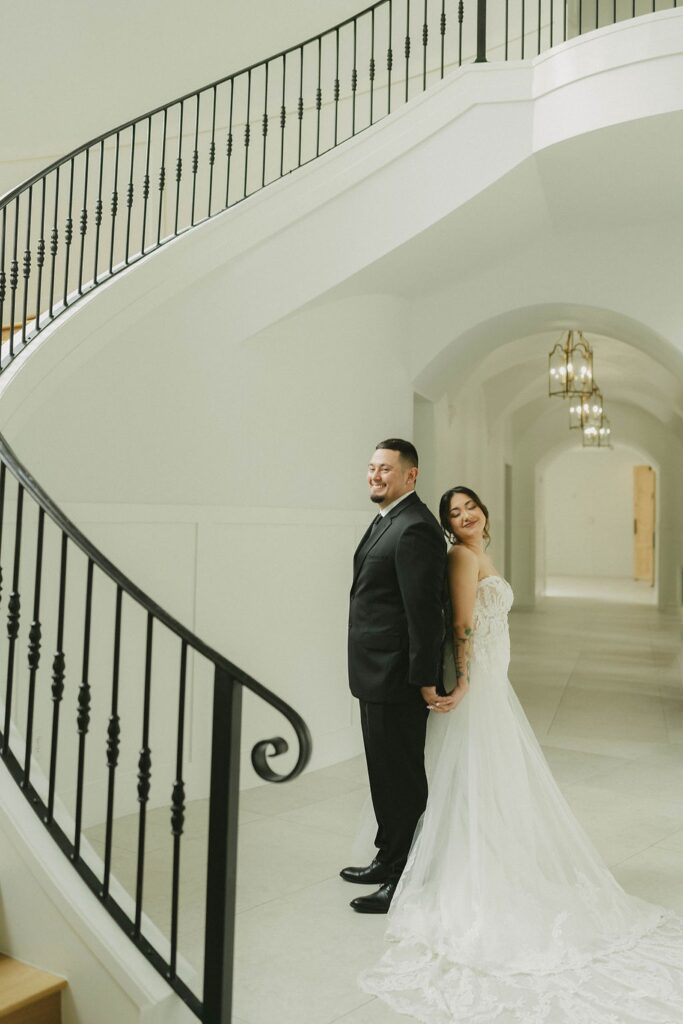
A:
[(463, 559)]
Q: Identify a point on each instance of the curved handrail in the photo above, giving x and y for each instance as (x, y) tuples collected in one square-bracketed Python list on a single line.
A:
[(97, 558)]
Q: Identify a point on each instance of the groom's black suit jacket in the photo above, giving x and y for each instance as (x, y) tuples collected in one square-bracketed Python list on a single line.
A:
[(396, 622)]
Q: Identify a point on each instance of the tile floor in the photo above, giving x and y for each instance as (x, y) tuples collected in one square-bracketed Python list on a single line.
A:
[(602, 683)]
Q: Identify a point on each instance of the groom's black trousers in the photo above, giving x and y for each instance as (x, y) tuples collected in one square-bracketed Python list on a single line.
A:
[(394, 738)]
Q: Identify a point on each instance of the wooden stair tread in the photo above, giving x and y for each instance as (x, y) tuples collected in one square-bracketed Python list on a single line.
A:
[(21, 985)]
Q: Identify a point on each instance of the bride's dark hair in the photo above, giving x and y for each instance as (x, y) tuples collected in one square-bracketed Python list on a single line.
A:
[(445, 508)]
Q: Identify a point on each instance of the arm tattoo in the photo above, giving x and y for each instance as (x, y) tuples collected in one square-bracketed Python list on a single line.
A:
[(462, 652)]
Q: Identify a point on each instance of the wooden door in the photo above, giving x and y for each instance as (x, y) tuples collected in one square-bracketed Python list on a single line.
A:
[(644, 523)]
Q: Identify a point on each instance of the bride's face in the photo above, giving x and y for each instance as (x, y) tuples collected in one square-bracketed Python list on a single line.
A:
[(467, 519)]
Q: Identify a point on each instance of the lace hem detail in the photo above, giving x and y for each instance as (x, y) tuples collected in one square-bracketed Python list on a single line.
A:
[(642, 984)]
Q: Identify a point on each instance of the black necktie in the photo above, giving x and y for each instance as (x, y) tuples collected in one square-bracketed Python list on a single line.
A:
[(375, 523)]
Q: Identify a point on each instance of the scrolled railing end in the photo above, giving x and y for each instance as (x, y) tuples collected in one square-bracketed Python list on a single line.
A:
[(274, 747)]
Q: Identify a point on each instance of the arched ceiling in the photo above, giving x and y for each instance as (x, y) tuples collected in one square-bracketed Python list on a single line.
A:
[(514, 378)]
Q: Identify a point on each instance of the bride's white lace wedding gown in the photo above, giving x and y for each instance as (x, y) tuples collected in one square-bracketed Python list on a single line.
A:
[(505, 912)]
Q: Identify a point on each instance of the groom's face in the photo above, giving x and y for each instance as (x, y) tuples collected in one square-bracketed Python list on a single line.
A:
[(389, 476)]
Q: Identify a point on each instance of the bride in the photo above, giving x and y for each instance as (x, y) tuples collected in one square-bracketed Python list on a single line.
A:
[(505, 912)]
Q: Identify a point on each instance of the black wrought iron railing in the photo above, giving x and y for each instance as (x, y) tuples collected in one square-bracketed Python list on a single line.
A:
[(117, 703), (119, 197)]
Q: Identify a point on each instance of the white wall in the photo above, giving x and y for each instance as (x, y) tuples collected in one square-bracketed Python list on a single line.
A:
[(588, 513)]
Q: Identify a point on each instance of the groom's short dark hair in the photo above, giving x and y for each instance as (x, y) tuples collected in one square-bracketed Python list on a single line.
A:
[(396, 444)]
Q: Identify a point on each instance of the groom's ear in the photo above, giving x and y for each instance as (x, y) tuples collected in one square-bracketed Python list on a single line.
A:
[(412, 474)]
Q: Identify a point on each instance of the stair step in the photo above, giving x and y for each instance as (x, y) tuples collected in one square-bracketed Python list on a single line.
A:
[(27, 994)]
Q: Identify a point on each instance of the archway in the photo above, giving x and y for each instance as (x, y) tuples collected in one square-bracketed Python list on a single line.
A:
[(584, 532)]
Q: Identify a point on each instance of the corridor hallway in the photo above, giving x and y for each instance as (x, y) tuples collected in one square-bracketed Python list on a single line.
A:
[(602, 685)]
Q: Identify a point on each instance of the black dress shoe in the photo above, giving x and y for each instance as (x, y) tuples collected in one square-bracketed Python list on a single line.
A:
[(377, 902), (373, 874)]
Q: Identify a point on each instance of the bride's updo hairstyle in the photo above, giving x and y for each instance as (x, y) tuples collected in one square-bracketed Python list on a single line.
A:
[(445, 508)]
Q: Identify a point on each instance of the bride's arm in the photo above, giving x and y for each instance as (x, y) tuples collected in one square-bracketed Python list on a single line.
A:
[(463, 574)]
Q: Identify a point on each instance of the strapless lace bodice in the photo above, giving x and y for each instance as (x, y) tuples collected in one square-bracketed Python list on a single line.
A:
[(490, 619)]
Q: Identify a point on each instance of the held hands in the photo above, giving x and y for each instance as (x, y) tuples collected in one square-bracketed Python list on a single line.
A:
[(437, 702)]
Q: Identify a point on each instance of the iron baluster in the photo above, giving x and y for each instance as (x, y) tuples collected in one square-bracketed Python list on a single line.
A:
[(68, 233), (146, 186), (34, 638), (354, 77), (178, 809), (300, 102), (26, 267), (113, 735), (507, 24), (58, 674), (130, 194), (83, 223), (229, 145), (222, 863), (195, 161), (99, 208), (407, 49), (179, 168), (40, 254), (247, 136), (372, 62), (13, 616), (442, 32), (552, 18), (461, 18), (264, 126), (144, 779), (83, 715), (283, 114), (336, 88), (14, 277), (162, 176), (318, 96), (390, 58), (212, 150), (425, 40), (114, 202)]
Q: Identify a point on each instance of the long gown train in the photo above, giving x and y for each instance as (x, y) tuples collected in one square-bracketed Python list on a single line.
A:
[(505, 912)]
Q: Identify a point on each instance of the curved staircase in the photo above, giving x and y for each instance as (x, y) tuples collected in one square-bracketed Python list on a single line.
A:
[(65, 236)]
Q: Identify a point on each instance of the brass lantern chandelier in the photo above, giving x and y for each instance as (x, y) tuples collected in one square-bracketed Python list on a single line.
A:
[(598, 436), (570, 367), (586, 410)]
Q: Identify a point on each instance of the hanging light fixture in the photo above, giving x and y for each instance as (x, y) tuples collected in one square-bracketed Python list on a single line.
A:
[(586, 409), (578, 412), (605, 434), (597, 433), (570, 366), (593, 420)]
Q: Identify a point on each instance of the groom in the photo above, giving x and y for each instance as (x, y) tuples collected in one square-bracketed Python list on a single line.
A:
[(395, 634)]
